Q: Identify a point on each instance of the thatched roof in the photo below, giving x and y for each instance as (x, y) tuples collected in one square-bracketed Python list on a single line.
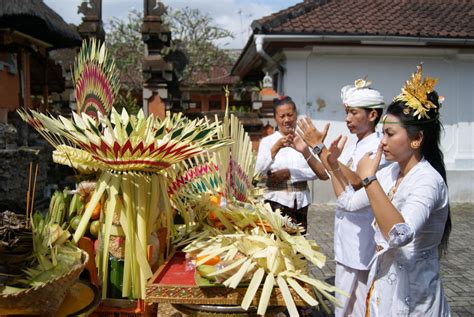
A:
[(35, 18)]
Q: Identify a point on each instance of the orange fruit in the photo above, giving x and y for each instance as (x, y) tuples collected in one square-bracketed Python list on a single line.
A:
[(212, 261), (96, 212), (215, 200)]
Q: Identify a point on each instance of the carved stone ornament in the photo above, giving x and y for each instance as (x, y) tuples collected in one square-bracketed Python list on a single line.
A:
[(154, 8), (91, 9), (267, 81)]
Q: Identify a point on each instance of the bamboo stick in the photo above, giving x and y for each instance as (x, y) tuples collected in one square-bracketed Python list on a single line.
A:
[(32, 203), (28, 195)]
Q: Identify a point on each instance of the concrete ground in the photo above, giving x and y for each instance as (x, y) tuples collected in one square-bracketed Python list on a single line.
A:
[(457, 268)]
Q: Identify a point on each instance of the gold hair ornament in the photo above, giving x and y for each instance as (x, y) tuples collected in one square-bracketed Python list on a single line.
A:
[(415, 94), (384, 121), (362, 83)]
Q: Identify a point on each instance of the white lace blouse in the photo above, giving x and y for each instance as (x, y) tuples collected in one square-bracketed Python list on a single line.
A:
[(405, 270)]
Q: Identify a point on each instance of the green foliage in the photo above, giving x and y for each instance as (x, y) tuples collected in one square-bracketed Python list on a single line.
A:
[(196, 33), (192, 31), (128, 102), (125, 44), (243, 88)]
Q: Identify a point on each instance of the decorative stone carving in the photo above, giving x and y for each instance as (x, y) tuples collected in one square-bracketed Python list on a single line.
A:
[(154, 8), (267, 81), (159, 72), (91, 25), (91, 9)]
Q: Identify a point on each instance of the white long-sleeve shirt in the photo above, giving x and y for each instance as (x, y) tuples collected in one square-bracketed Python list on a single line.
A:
[(406, 271), (354, 244), (286, 157)]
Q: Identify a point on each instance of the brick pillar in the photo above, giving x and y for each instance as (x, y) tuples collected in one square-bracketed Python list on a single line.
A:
[(156, 106)]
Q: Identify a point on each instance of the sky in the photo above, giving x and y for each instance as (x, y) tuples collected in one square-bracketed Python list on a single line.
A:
[(233, 15)]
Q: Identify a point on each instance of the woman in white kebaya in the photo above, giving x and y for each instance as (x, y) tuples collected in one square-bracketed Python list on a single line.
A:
[(409, 200), (287, 164)]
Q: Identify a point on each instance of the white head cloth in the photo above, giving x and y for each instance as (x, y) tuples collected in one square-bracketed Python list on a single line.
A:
[(360, 95)]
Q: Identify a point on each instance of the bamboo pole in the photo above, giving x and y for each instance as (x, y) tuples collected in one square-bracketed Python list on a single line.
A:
[(32, 203), (28, 195)]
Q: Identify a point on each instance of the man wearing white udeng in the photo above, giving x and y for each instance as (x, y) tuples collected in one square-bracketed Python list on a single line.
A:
[(354, 245)]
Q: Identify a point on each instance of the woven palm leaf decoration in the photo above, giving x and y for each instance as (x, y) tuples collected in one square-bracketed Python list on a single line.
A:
[(224, 175), (229, 170), (187, 181), (237, 164), (131, 154), (95, 78), (260, 247), (66, 152)]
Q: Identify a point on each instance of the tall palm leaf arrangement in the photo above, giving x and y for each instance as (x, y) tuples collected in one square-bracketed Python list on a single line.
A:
[(225, 175), (96, 79), (131, 155)]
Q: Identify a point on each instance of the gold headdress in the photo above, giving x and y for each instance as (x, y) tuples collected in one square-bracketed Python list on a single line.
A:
[(415, 94)]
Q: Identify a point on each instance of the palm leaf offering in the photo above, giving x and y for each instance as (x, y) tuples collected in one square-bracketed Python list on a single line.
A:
[(54, 265), (226, 174), (96, 79), (252, 244), (237, 164), (51, 255), (187, 180), (123, 142), (131, 154)]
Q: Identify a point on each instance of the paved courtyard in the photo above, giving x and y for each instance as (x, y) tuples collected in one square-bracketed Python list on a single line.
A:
[(457, 268)]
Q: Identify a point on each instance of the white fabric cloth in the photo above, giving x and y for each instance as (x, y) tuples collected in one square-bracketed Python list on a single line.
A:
[(354, 244), (361, 97), (286, 157), (353, 234), (406, 272), (353, 282)]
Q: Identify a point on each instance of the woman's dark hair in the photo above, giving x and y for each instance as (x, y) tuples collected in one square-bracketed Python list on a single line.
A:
[(430, 146), (283, 100)]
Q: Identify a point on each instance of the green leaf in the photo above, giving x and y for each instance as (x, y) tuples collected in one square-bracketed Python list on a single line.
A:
[(202, 134), (176, 133), (159, 132), (129, 128)]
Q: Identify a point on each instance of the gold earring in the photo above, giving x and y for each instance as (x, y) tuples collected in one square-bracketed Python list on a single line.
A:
[(415, 144)]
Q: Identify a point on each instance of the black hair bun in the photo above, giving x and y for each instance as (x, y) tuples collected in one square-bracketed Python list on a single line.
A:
[(434, 98)]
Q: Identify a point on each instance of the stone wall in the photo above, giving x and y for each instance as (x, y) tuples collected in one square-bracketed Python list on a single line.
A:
[(14, 172), (8, 135)]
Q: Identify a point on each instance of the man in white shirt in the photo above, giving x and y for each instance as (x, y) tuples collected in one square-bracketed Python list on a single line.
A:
[(354, 244)]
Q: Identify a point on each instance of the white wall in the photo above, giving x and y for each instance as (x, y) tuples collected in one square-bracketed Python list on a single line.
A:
[(320, 73)]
